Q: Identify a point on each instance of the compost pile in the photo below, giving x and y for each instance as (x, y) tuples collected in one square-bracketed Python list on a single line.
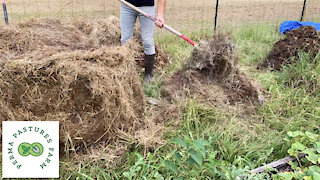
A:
[(286, 51), (212, 74), (75, 73)]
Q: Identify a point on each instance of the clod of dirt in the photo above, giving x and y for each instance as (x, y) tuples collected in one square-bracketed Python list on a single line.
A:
[(212, 75), (286, 51)]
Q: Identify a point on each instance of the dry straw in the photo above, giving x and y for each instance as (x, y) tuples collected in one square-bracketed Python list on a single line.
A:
[(92, 93)]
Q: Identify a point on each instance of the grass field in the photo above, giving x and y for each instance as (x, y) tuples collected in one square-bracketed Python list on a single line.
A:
[(234, 143)]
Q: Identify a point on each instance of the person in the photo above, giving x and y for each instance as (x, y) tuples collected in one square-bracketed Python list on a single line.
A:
[(128, 17)]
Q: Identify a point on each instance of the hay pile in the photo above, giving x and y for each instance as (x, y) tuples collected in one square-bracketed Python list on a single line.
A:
[(286, 51), (212, 75), (96, 95), (75, 73), (41, 38), (45, 36), (102, 32)]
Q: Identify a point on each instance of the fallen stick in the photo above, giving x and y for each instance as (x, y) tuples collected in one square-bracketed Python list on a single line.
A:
[(277, 165)]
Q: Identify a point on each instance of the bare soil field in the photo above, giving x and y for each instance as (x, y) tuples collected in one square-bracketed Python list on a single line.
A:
[(182, 14)]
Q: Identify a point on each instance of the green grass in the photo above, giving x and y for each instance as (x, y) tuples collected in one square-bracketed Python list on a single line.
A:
[(236, 144), (254, 41)]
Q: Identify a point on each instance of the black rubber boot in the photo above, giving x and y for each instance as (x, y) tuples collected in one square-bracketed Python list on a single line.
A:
[(148, 68)]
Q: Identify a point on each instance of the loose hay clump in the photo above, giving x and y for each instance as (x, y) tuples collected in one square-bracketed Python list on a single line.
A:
[(96, 95), (40, 38), (216, 58), (286, 51), (55, 34), (212, 75), (107, 32), (14, 42)]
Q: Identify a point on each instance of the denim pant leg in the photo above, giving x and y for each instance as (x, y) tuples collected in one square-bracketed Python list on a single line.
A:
[(128, 18), (147, 30)]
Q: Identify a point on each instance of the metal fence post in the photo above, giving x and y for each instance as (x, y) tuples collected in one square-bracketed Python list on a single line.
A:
[(303, 9), (216, 16), (5, 13)]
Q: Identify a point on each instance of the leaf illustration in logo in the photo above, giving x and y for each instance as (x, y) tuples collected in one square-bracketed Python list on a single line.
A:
[(25, 149)]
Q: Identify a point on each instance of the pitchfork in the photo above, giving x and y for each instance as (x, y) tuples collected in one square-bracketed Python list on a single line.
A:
[(177, 33)]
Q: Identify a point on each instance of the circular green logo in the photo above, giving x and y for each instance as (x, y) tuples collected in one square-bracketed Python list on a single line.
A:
[(35, 149)]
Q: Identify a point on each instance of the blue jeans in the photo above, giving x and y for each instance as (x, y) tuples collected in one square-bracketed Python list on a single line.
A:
[(128, 18)]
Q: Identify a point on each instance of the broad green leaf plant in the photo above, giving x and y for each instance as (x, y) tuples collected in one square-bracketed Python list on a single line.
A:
[(307, 145), (193, 158)]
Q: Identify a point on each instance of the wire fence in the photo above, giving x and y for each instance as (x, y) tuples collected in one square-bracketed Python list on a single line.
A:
[(183, 15)]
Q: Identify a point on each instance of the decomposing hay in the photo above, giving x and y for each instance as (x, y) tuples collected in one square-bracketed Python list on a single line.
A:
[(216, 58), (14, 42), (96, 95), (109, 155), (212, 75), (151, 135), (107, 32), (55, 34), (41, 38), (286, 51)]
